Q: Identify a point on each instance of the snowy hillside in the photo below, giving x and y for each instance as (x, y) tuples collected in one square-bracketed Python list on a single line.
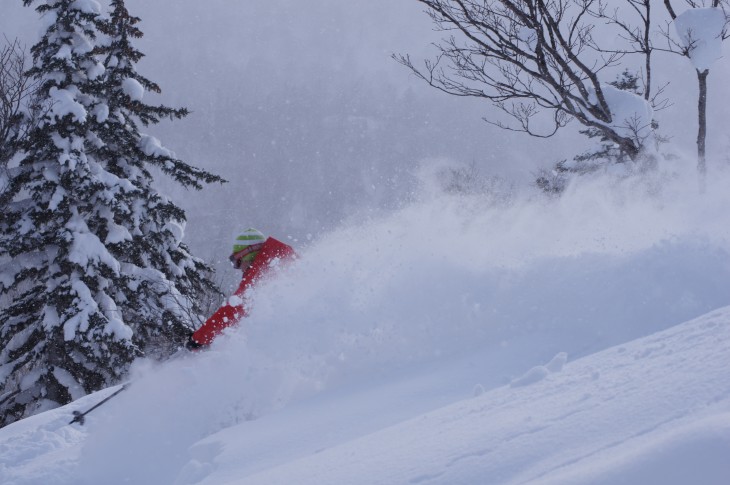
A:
[(459, 340), (656, 410)]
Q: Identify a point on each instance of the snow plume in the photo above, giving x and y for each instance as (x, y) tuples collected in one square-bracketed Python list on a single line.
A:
[(442, 278), (450, 274), (168, 410)]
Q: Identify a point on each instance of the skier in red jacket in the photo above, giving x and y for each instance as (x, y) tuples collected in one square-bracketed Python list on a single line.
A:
[(254, 254)]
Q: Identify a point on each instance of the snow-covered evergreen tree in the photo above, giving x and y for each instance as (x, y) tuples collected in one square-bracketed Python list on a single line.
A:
[(94, 273), (150, 222)]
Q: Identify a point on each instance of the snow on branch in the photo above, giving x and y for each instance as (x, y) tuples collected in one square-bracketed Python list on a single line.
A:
[(701, 31)]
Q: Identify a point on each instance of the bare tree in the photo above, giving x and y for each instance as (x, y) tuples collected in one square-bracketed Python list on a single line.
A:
[(20, 107), (686, 49), (532, 57), (634, 26)]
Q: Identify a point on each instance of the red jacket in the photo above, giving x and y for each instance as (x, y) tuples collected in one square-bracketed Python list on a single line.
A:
[(229, 314)]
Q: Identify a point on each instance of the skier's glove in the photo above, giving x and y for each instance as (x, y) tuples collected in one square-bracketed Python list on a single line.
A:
[(191, 344)]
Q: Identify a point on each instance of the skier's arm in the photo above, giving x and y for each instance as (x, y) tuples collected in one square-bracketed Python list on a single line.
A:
[(228, 314), (224, 317)]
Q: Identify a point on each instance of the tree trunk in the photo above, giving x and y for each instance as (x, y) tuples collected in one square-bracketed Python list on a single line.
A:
[(702, 119)]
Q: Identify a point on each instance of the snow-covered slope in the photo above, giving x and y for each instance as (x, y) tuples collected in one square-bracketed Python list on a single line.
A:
[(430, 346), (655, 410)]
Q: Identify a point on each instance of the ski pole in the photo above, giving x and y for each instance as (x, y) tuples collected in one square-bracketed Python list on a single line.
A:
[(81, 417)]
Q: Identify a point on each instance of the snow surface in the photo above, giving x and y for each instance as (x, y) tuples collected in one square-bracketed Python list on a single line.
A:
[(456, 341)]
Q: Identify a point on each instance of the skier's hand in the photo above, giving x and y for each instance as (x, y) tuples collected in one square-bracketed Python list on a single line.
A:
[(191, 344)]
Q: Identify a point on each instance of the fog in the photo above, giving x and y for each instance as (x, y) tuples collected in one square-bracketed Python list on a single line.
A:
[(300, 107)]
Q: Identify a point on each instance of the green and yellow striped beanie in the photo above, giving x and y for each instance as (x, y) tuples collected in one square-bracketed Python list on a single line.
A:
[(249, 237)]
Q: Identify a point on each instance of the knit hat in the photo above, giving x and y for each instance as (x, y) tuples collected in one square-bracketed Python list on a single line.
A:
[(247, 244)]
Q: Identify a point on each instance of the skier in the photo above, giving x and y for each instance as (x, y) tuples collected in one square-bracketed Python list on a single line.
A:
[(254, 254)]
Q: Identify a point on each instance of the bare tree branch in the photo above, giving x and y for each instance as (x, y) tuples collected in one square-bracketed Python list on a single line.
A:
[(20, 108), (530, 58)]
